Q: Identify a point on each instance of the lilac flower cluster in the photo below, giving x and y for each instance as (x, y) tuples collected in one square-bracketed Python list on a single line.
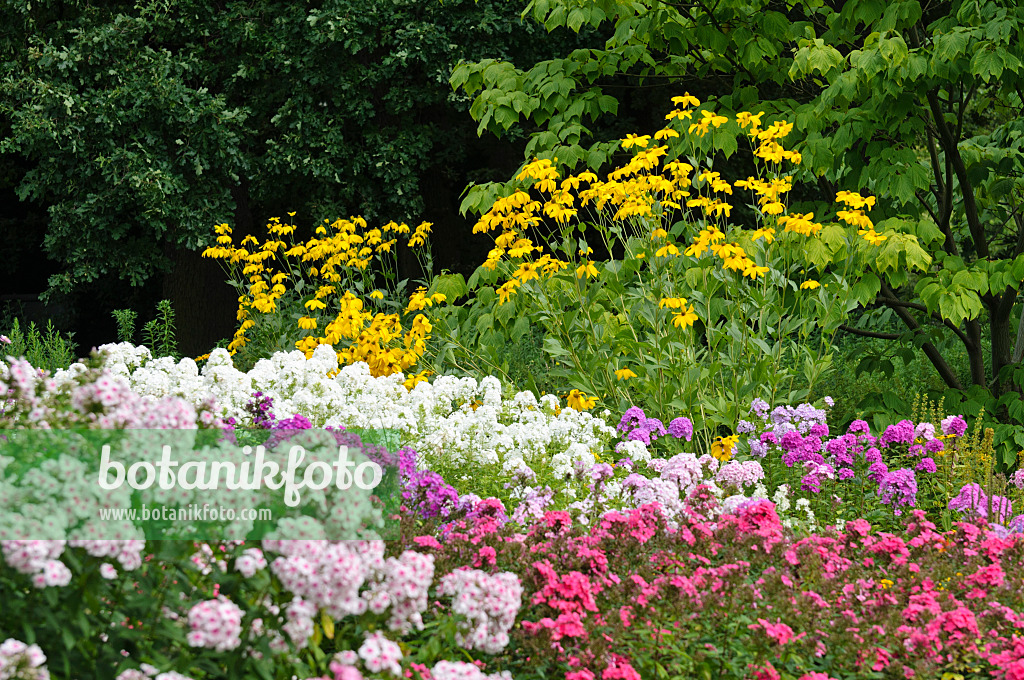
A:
[(898, 489), (636, 426), (972, 499)]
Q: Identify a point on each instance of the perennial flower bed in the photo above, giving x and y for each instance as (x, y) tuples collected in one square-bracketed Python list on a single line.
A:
[(577, 546)]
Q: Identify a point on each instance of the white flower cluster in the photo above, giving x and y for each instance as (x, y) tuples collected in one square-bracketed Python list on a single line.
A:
[(459, 420)]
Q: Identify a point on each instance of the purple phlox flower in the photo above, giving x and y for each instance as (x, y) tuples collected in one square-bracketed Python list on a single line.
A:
[(934, 445), (900, 433), (680, 428), (757, 448), (829, 401), (819, 430), (792, 441), (972, 499), (745, 427), (811, 482), (820, 469), (924, 431), (844, 474), (859, 427), (839, 449), (1016, 524), (759, 407), (1017, 479), (427, 494), (296, 422), (915, 450), (635, 481), (872, 456), (926, 465), (898, 488), (954, 425), (769, 438), (532, 507), (625, 462), (601, 472), (782, 414), (878, 471), (524, 475), (632, 416)]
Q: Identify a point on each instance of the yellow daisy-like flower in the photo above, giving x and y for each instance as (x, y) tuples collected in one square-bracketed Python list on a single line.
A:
[(809, 284), (315, 304), (636, 140), (722, 447), (685, 318), (307, 323), (586, 269), (377, 295), (624, 374), (686, 100), (580, 401)]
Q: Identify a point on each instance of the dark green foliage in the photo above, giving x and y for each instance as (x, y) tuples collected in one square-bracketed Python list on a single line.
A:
[(144, 124)]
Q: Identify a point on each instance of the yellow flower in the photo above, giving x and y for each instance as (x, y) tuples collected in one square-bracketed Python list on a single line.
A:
[(667, 133), (872, 237), (634, 140), (686, 100), (809, 283), (722, 447), (666, 250), (315, 304), (624, 374), (580, 401), (586, 269), (307, 323), (685, 318), (755, 271), (745, 118)]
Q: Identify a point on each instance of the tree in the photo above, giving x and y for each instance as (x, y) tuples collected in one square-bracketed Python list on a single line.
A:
[(145, 124), (919, 103)]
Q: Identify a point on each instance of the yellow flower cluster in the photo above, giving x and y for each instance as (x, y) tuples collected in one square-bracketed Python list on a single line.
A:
[(684, 317), (641, 196), (857, 215), (334, 315)]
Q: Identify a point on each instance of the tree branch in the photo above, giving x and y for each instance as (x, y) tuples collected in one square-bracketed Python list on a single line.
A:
[(869, 334), (933, 354), (949, 145)]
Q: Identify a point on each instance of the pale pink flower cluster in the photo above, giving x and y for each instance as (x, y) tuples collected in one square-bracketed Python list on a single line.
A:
[(407, 579), (739, 474), (299, 626), (148, 672), (460, 670), (127, 552), (38, 559), (489, 604), (250, 561), (381, 654), (22, 662), (215, 624), (330, 575)]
